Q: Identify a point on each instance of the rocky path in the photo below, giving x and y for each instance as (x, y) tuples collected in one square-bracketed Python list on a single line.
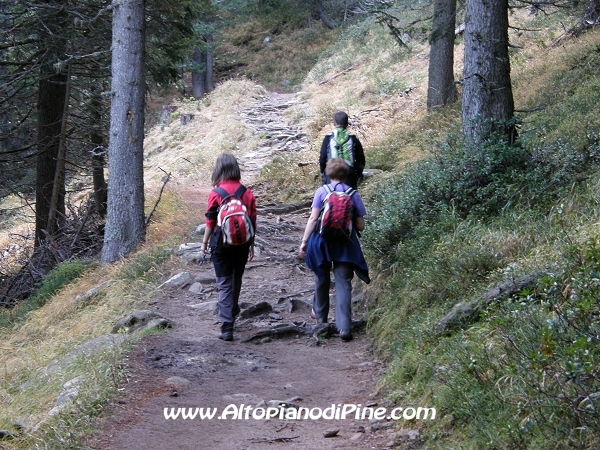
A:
[(188, 367), (264, 116)]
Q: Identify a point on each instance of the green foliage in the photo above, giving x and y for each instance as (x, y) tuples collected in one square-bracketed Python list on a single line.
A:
[(387, 86), (274, 15), (58, 277), (453, 179), (62, 275), (172, 36), (339, 56), (549, 373), (460, 221), (282, 63)]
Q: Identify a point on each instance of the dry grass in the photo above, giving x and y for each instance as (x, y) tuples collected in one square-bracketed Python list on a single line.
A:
[(49, 333), (62, 324), (190, 151)]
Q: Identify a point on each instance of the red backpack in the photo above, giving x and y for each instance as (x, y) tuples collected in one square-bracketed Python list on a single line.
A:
[(336, 217), (233, 221)]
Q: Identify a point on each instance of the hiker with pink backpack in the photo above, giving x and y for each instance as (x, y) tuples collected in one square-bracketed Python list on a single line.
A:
[(330, 240), (230, 227)]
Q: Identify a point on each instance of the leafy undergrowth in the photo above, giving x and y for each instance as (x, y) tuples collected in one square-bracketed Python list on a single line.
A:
[(461, 221)]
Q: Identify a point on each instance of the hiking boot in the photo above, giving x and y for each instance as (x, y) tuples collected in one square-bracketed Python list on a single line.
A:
[(346, 335), (226, 332)]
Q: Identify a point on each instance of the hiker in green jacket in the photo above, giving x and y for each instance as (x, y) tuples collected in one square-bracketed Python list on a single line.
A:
[(341, 144)]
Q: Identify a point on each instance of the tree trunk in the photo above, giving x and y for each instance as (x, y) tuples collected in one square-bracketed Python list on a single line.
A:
[(51, 99), (98, 152), (488, 104), (210, 85), (125, 229), (441, 90), (327, 21), (50, 107), (198, 73), (56, 220)]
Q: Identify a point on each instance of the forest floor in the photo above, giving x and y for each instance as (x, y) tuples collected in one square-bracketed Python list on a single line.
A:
[(188, 367)]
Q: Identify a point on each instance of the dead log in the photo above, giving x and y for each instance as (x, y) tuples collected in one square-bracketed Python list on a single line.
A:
[(465, 313), (339, 74), (165, 181), (327, 21)]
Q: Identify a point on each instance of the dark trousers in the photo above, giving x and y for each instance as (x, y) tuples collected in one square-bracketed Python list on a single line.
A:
[(229, 264)]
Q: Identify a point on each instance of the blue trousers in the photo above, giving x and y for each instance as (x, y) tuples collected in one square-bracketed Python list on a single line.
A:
[(343, 272)]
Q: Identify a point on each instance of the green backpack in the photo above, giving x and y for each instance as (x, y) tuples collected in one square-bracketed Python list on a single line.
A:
[(341, 146)]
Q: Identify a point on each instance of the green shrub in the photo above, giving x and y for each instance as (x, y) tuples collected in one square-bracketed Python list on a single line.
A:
[(543, 365), (58, 277), (454, 179)]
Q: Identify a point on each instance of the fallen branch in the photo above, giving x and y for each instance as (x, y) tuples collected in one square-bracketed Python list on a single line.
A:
[(352, 67), (270, 441), (147, 221), (466, 313)]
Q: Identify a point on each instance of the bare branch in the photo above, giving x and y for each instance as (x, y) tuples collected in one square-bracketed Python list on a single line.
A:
[(147, 221)]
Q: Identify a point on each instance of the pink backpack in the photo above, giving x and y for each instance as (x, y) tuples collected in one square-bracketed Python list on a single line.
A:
[(233, 220), (336, 217)]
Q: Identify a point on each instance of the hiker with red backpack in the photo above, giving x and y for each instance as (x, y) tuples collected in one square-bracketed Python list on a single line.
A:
[(341, 144), (230, 227), (331, 240)]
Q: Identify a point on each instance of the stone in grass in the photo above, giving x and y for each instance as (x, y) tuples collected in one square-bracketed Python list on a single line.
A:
[(5, 434), (181, 280), (331, 433), (136, 320)]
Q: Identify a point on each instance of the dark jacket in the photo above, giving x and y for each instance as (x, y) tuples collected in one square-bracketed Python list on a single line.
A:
[(356, 171)]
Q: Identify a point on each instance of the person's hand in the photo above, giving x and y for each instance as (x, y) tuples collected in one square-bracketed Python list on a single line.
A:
[(302, 250), (204, 248), (251, 253)]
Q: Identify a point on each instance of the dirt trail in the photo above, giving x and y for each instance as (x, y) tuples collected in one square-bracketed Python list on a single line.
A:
[(189, 367)]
